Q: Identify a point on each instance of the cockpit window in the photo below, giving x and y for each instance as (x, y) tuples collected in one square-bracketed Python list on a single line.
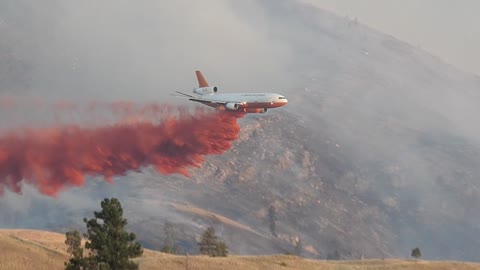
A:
[(282, 98)]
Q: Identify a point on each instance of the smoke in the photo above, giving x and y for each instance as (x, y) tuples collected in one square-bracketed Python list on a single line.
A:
[(54, 158), (400, 117)]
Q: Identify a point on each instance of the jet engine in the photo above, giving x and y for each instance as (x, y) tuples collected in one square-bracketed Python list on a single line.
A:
[(255, 110), (205, 90), (231, 106)]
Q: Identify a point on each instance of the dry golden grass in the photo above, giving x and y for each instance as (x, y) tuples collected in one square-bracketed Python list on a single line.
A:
[(30, 249), (284, 262), (19, 253)]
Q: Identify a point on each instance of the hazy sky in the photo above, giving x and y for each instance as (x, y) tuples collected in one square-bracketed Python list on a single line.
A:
[(446, 28)]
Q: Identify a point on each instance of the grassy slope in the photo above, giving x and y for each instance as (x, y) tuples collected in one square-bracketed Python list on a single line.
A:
[(29, 249), (16, 252)]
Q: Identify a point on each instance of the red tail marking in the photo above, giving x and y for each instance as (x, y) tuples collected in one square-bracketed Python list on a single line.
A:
[(201, 80)]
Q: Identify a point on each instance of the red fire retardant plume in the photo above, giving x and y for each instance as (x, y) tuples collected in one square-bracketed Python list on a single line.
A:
[(55, 158)]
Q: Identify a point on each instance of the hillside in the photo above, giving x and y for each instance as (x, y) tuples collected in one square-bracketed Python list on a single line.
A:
[(377, 151), (29, 249)]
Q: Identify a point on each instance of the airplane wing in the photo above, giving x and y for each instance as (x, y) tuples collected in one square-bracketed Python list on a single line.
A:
[(199, 99), (206, 101)]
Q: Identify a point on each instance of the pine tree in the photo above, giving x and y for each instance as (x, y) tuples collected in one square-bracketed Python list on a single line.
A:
[(416, 253), (74, 243), (208, 243), (111, 245), (222, 249), (211, 246), (170, 238), (272, 218)]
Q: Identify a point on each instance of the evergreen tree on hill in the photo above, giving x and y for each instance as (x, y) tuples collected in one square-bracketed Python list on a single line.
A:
[(169, 245), (211, 246), (416, 253), (110, 246), (272, 219)]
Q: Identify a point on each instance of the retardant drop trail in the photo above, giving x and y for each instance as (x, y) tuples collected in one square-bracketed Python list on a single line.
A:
[(55, 158)]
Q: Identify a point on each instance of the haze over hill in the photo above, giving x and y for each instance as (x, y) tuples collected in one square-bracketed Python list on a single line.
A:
[(377, 151), (33, 249), (438, 26)]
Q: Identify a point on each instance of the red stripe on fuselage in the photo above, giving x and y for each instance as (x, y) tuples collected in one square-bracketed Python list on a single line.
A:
[(262, 105)]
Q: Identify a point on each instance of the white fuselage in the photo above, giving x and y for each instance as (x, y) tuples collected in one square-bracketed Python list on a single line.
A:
[(250, 100)]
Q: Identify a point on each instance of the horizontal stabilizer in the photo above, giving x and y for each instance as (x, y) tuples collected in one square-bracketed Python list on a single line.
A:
[(183, 95)]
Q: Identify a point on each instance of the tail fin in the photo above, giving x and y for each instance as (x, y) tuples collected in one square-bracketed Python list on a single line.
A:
[(201, 80)]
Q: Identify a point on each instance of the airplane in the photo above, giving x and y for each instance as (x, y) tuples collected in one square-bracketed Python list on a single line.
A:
[(244, 102)]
